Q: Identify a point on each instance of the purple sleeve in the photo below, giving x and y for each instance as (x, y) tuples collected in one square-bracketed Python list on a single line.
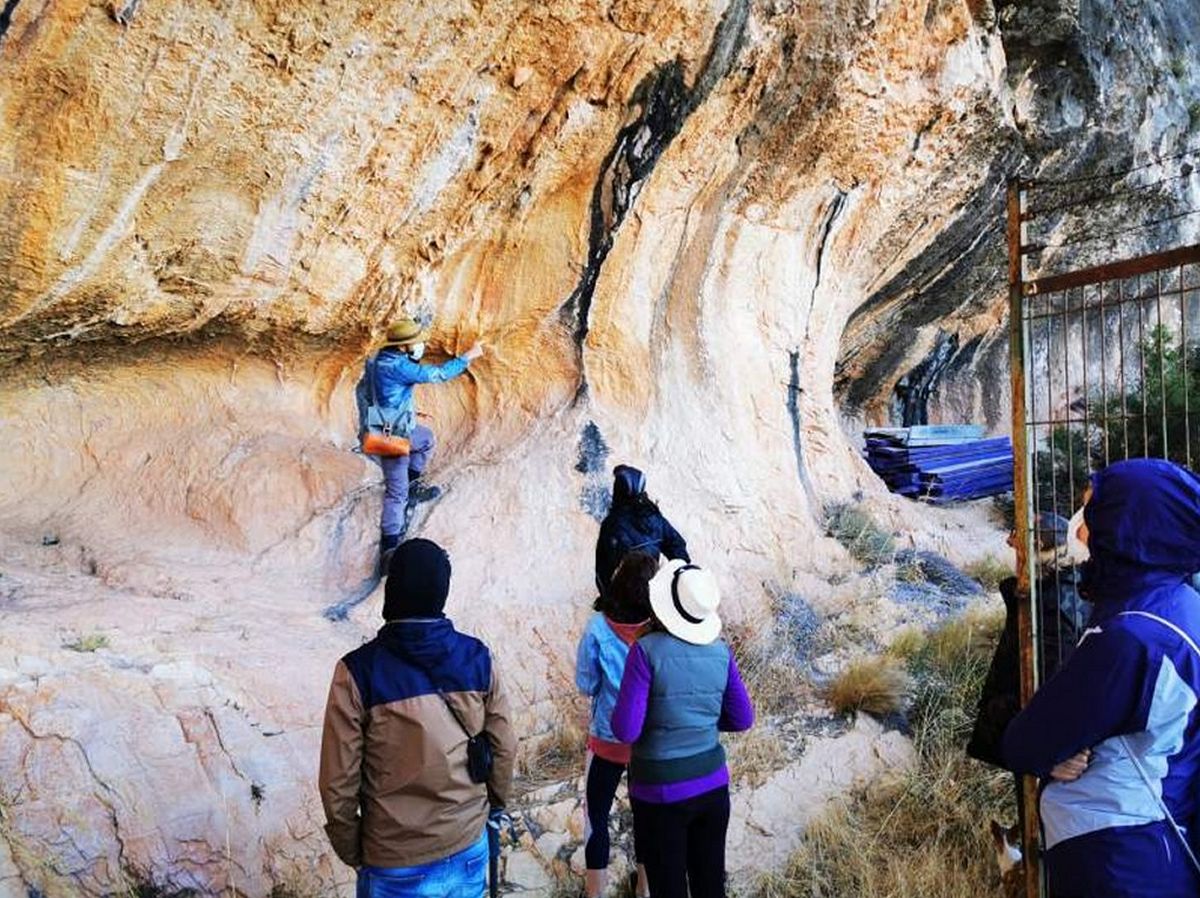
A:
[(737, 711), (1103, 690), (629, 714)]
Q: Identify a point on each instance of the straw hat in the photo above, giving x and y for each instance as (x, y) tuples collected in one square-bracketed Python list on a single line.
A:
[(684, 598), (404, 332)]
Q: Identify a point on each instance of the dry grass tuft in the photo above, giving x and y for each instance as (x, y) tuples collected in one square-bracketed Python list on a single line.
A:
[(554, 757), (966, 637), (755, 755), (908, 643), (876, 685), (856, 530), (924, 833), (767, 661), (988, 572)]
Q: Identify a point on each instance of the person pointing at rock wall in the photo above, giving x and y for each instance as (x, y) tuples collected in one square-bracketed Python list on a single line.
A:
[(388, 419)]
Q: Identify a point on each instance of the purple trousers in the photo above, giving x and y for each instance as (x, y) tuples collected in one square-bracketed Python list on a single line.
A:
[(395, 479)]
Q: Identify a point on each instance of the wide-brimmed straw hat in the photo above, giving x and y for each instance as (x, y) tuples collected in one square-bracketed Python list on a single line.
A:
[(684, 598), (405, 332)]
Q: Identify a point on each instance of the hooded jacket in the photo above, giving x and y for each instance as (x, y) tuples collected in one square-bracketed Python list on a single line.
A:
[(395, 376), (393, 777), (1128, 692), (633, 522)]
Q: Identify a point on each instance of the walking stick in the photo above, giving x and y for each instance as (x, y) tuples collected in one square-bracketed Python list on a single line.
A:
[(497, 819)]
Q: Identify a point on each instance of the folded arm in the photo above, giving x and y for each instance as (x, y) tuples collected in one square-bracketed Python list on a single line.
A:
[(1100, 692)]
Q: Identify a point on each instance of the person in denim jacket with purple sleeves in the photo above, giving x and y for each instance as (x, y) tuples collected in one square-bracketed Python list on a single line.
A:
[(680, 689)]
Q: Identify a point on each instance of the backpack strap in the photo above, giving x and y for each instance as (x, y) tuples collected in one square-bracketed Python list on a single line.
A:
[(372, 373), (1155, 793)]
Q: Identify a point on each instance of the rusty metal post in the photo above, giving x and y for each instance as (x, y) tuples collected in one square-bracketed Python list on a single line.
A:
[(1022, 478)]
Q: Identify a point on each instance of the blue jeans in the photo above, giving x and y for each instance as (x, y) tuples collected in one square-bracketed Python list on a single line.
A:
[(461, 875), (395, 479)]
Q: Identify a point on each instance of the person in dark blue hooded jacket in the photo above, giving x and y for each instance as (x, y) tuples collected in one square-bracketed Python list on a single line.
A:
[(1114, 734), (633, 522)]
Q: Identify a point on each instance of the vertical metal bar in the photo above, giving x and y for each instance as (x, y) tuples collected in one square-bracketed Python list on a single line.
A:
[(1104, 371), (1145, 405), (1160, 334), (1087, 393), (1066, 355), (1121, 370), (1036, 570), (1022, 477), (1186, 358)]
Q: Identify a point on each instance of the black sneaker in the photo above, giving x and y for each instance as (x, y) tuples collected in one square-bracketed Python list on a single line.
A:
[(419, 492)]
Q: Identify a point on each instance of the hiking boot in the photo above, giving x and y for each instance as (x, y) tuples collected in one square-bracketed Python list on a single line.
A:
[(423, 492), (387, 547)]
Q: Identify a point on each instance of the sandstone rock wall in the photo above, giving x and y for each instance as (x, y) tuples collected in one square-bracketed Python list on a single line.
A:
[(1093, 87)]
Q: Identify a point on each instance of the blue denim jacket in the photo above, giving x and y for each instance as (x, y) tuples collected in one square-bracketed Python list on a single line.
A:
[(396, 375), (599, 664)]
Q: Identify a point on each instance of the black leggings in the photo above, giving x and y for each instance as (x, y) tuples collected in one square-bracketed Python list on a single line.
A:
[(684, 842), (603, 777)]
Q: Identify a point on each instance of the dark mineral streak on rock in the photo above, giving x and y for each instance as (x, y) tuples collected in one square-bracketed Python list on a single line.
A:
[(595, 497), (836, 205), (124, 13), (593, 451), (960, 269), (6, 15), (910, 397), (665, 102), (793, 407)]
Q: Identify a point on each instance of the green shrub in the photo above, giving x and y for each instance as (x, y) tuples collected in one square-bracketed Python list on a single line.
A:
[(1157, 416), (92, 642)]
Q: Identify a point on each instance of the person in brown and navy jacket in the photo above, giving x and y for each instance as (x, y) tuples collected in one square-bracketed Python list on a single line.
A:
[(400, 803)]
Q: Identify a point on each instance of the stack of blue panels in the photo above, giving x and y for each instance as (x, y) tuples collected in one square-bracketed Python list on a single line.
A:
[(941, 463)]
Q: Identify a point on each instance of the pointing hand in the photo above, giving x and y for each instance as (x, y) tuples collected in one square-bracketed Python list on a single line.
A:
[(474, 352)]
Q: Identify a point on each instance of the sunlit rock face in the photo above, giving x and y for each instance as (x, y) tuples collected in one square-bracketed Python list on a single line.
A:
[(1094, 87), (660, 217)]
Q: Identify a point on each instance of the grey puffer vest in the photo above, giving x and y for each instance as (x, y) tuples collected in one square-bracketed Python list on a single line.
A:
[(679, 739)]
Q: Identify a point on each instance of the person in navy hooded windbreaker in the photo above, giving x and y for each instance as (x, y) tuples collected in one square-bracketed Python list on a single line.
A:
[(1128, 695)]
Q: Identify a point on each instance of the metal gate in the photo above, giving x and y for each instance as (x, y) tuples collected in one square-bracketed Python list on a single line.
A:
[(1105, 366)]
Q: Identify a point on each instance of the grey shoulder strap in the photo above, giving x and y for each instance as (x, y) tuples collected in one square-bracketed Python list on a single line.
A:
[(1145, 778), (372, 367)]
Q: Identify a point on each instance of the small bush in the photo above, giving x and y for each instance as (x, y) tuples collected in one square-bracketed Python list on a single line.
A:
[(988, 572), (857, 531), (879, 686), (557, 756), (770, 654), (92, 642), (911, 572)]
